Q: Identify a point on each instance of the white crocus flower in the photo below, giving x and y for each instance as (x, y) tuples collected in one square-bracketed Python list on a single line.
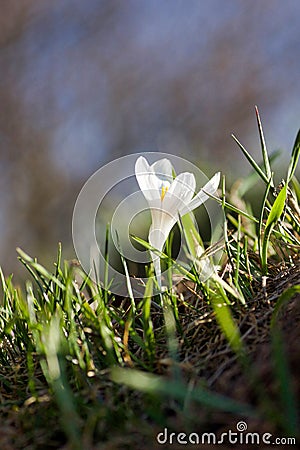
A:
[(168, 199)]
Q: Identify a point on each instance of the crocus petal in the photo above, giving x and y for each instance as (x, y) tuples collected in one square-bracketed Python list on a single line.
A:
[(210, 188), (162, 224), (179, 193), (163, 169), (147, 180)]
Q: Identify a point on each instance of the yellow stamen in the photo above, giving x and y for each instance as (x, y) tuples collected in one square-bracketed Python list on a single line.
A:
[(164, 190)]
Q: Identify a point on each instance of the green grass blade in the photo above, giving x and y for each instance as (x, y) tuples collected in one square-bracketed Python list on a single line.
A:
[(277, 208), (273, 217), (148, 329), (281, 366), (43, 273), (164, 256), (289, 412), (251, 160), (233, 208), (156, 385), (193, 238), (225, 320), (128, 282), (261, 218), (285, 297), (54, 370), (238, 251), (294, 158), (264, 148), (296, 187)]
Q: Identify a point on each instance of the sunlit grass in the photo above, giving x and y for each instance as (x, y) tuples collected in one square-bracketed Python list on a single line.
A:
[(94, 365)]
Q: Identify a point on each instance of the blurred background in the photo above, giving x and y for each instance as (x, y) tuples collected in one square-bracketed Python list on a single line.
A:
[(85, 82)]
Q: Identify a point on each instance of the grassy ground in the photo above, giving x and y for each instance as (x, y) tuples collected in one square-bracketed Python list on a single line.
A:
[(83, 369)]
